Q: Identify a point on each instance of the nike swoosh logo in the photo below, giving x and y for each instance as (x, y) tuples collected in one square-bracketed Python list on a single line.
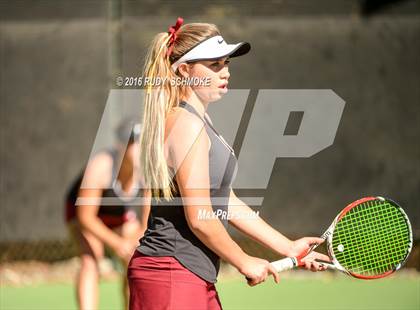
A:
[(220, 42)]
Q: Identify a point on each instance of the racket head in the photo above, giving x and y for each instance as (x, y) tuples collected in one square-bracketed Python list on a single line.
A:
[(371, 238)]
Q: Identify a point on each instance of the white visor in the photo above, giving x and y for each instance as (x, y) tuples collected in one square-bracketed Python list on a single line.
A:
[(213, 48)]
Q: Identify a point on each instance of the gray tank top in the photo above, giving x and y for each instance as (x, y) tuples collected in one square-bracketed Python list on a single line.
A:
[(168, 233)]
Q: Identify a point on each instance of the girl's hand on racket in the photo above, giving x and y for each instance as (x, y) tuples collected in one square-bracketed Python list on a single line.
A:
[(300, 249), (256, 270), (302, 246), (311, 264)]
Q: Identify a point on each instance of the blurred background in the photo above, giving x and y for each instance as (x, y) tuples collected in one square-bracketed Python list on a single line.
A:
[(59, 60)]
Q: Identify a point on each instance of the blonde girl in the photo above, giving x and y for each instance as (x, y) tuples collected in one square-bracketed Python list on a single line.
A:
[(188, 170)]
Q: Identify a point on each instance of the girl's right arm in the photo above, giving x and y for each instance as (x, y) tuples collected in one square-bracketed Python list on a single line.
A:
[(95, 180), (189, 145)]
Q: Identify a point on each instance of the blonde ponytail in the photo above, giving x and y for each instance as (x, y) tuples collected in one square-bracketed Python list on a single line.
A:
[(160, 99)]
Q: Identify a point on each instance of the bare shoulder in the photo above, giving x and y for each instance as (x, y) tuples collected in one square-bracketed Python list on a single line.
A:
[(99, 169), (183, 130), (181, 121), (102, 160)]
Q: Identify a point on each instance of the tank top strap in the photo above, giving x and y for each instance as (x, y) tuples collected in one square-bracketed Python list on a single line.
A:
[(189, 107)]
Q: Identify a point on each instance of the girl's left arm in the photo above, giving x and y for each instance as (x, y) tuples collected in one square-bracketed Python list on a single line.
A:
[(255, 227), (252, 225)]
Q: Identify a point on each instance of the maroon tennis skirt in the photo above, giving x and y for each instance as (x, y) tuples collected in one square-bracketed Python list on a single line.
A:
[(158, 283)]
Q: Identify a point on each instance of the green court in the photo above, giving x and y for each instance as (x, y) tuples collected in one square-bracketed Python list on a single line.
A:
[(335, 292)]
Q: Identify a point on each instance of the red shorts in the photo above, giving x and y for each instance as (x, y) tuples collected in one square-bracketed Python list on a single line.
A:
[(162, 283)]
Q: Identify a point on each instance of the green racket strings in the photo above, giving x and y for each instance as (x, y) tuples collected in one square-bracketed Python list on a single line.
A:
[(372, 238)]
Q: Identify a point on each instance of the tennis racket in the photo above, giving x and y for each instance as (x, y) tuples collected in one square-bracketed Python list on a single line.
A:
[(371, 238)]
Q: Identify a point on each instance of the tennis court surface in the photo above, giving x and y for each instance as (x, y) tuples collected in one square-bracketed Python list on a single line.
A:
[(301, 290)]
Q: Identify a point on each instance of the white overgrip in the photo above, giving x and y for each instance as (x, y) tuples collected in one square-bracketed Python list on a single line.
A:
[(285, 264)]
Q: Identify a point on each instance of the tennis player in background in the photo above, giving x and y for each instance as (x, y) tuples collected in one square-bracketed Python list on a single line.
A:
[(102, 222), (189, 170)]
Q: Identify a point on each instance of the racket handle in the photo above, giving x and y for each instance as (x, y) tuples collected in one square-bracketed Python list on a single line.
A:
[(285, 264)]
